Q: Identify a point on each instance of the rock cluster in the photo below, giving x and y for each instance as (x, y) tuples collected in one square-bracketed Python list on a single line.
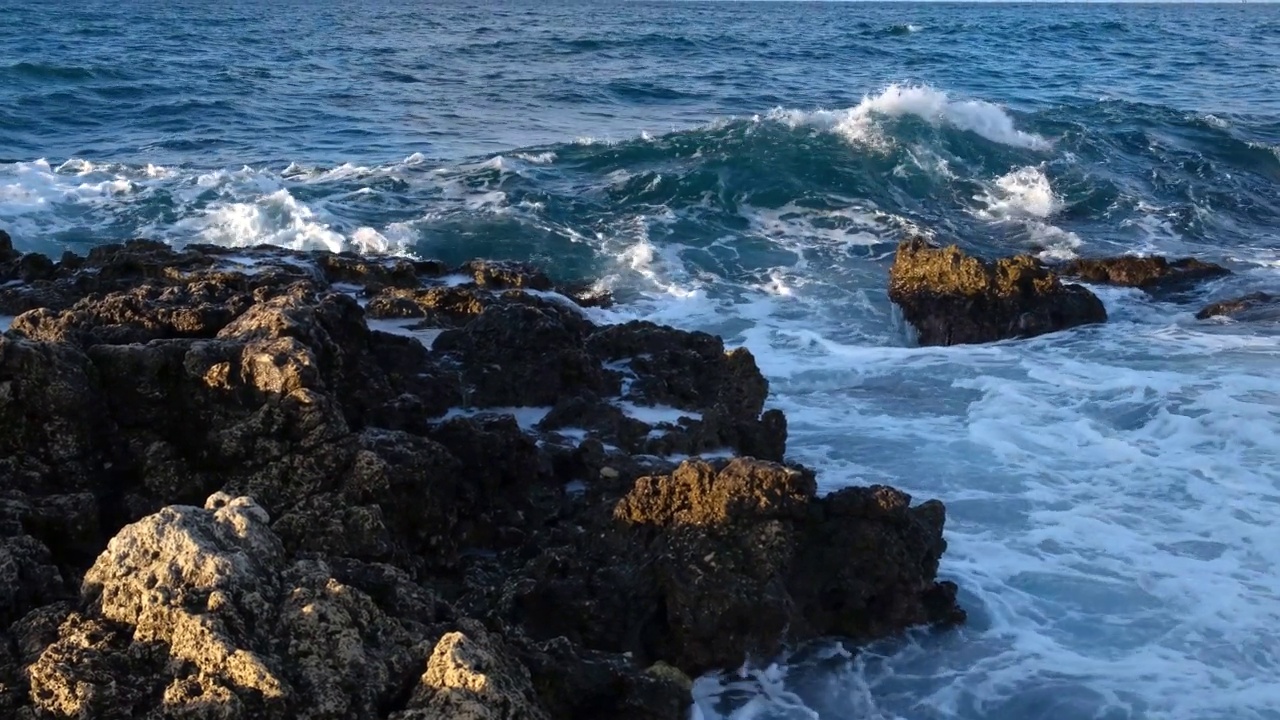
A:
[(270, 484), (1154, 274), (953, 298), (1254, 306), (950, 297)]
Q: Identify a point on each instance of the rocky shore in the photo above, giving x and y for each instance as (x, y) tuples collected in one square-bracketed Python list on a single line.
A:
[(950, 298), (270, 484)]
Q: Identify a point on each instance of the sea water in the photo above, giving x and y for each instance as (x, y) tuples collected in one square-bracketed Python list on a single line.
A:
[(1113, 492)]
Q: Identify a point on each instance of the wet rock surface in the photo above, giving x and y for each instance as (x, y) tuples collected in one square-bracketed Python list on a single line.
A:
[(1156, 275), (1254, 307), (951, 298), (273, 484)]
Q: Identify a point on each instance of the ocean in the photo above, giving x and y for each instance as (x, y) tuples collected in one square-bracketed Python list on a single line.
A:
[(747, 168)]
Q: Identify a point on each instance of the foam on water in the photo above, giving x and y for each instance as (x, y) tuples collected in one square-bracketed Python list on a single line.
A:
[(1025, 196), (858, 124), (1111, 494), (427, 336), (526, 417), (656, 414)]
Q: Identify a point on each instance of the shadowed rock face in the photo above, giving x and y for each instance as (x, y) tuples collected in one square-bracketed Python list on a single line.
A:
[(224, 495), (1156, 275), (1258, 306), (951, 298)]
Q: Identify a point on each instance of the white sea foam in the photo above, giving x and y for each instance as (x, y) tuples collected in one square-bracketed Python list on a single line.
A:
[(656, 414), (1024, 192), (1110, 496), (858, 124), (6, 321), (542, 158), (426, 336), (276, 219), (526, 417), (1025, 196)]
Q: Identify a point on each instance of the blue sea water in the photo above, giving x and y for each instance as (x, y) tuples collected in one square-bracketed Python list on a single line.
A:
[(746, 168)]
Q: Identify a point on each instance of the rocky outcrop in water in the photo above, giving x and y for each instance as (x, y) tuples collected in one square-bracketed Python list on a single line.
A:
[(271, 484), (1156, 275), (952, 298), (1257, 306)]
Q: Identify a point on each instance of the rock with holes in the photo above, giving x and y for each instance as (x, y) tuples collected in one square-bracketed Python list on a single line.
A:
[(199, 613), (716, 563), (473, 675), (1155, 274), (951, 298)]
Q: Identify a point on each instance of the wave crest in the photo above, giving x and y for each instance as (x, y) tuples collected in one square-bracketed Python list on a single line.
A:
[(858, 124)]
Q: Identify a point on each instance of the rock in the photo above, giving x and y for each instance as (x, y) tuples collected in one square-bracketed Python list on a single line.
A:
[(713, 564), (1252, 307), (505, 275), (451, 306), (588, 295), (348, 267), (56, 423), (1154, 274), (198, 613), (199, 310), (7, 253), (576, 683), (147, 394), (518, 355), (952, 298), (472, 675)]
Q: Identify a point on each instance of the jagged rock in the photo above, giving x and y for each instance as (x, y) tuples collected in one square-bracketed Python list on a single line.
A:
[(1252, 307), (504, 275), (472, 675), (952, 298), (588, 295), (1154, 274), (146, 313), (448, 306), (7, 253), (198, 613), (519, 355), (145, 380), (54, 418), (576, 683), (713, 564), (28, 577), (349, 267)]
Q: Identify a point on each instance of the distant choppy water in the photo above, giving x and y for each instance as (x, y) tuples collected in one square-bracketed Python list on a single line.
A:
[(1113, 492)]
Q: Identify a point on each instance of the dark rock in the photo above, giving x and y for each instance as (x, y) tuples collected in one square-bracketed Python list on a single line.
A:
[(951, 298), (1252, 307), (711, 564), (1153, 274), (588, 296), (449, 306), (144, 380), (504, 275), (7, 253), (519, 355), (146, 313), (576, 683), (351, 268), (33, 267)]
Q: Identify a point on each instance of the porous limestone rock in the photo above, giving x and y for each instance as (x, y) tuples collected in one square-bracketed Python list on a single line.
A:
[(951, 298)]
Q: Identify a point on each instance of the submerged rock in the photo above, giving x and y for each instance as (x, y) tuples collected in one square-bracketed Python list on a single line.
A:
[(223, 494), (1252, 307), (952, 298), (1154, 274)]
